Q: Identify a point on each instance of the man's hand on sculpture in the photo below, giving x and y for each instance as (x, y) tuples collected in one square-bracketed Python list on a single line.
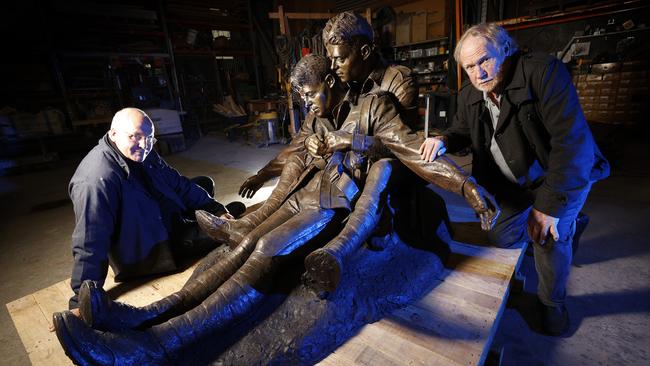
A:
[(227, 216), (540, 225), (482, 202), (431, 148), (251, 185)]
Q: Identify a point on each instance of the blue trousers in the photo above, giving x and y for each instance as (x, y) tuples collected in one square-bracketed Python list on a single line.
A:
[(553, 259)]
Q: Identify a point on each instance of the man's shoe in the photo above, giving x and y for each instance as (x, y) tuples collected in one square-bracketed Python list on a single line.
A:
[(555, 320), (581, 224)]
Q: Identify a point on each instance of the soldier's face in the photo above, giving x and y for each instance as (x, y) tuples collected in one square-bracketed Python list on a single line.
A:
[(483, 63), (316, 98), (346, 60)]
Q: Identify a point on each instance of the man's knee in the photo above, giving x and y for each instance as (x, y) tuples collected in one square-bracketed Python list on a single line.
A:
[(505, 237), (380, 172)]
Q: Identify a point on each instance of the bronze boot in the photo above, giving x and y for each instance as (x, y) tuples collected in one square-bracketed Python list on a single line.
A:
[(324, 265), (100, 312), (86, 346), (164, 343)]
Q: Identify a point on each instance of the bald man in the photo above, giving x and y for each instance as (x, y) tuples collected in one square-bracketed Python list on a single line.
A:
[(132, 210)]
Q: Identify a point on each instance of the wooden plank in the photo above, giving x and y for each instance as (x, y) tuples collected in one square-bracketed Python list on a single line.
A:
[(453, 324), (449, 350), (386, 347), (41, 345)]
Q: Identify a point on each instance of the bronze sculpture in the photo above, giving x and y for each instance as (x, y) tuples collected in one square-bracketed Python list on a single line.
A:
[(313, 208), (317, 190)]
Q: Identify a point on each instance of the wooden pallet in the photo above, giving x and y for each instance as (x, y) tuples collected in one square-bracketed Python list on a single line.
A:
[(452, 325)]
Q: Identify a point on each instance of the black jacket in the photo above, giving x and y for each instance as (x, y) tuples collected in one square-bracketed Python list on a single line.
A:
[(541, 132), (117, 217)]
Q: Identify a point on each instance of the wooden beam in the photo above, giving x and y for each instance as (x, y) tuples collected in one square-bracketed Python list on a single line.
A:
[(301, 15), (281, 16), (459, 30)]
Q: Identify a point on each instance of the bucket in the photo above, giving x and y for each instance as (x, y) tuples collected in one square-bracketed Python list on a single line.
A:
[(269, 121), (191, 36)]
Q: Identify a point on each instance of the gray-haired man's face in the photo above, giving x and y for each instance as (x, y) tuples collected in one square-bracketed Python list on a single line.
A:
[(483, 63)]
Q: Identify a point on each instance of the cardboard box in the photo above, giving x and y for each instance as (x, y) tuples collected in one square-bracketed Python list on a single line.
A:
[(403, 29), (166, 121), (437, 22), (419, 27)]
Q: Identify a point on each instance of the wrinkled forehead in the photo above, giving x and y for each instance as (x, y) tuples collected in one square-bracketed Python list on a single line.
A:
[(474, 48), (135, 123)]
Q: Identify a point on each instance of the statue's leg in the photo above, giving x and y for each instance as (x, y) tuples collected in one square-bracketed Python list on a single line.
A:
[(324, 265), (233, 231), (241, 293), (100, 312)]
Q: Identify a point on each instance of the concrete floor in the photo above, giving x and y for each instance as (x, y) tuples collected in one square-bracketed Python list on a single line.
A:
[(609, 288)]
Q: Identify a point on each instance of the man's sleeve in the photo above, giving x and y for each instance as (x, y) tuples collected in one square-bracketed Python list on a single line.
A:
[(192, 195), (457, 136), (95, 207), (571, 154)]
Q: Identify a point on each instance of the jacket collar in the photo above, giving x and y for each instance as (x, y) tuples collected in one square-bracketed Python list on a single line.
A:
[(109, 148), (516, 81), (376, 75)]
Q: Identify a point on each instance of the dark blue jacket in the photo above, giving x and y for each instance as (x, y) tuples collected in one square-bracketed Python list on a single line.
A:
[(117, 216), (541, 132)]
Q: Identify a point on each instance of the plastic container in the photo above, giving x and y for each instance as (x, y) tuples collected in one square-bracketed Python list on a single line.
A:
[(269, 123)]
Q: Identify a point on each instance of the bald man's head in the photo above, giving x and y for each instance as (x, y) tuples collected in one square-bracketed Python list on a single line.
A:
[(132, 132)]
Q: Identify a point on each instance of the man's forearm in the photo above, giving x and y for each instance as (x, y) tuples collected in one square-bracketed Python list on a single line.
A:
[(86, 268)]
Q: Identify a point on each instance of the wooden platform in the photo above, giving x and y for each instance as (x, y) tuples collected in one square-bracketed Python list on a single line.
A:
[(452, 325)]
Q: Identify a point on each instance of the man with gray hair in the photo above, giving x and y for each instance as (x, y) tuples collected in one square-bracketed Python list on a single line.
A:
[(532, 148), (132, 210)]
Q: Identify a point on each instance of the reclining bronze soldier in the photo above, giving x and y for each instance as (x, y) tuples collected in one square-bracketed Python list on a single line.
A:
[(314, 206)]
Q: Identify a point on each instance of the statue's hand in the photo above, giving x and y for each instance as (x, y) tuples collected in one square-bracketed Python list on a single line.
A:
[(251, 185), (338, 141), (482, 202), (315, 146)]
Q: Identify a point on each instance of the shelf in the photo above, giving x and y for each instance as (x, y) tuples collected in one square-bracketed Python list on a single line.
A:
[(216, 24), (421, 42), (92, 121), (430, 72), (429, 82), (212, 53), (421, 57), (114, 54)]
